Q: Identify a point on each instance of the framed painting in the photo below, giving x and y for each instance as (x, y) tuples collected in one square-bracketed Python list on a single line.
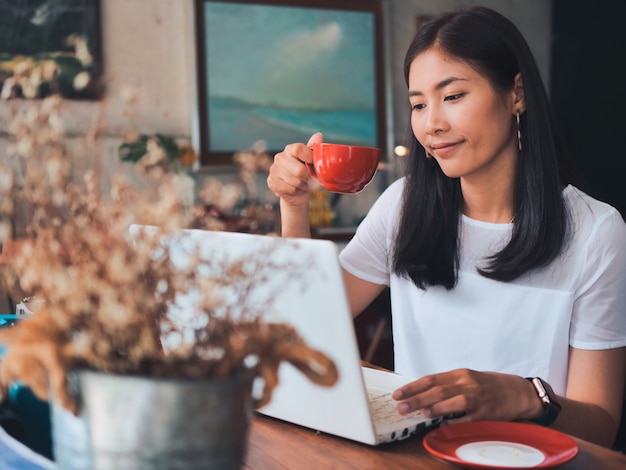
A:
[(276, 71), (421, 20), (50, 46)]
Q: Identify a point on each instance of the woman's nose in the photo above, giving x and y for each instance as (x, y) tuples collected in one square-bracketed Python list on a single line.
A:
[(435, 121)]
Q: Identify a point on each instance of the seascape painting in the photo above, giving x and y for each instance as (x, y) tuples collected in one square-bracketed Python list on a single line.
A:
[(49, 47), (279, 73)]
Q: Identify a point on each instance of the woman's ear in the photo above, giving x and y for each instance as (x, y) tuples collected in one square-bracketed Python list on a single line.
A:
[(519, 104)]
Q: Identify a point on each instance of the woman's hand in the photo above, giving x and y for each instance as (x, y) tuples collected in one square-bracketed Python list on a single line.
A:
[(474, 396), (288, 177), (289, 180)]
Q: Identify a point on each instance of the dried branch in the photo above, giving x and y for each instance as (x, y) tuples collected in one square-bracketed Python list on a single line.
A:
[(108, 296)]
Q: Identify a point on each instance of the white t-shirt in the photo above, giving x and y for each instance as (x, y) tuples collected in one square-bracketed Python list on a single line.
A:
[(523, 327)]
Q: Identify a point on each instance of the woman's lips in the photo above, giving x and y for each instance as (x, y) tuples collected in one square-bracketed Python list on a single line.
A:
[(444, 149)]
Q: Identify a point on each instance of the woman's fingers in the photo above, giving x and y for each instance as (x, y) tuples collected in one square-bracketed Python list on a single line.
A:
[(465, 394), (317, 137), (288, 176)]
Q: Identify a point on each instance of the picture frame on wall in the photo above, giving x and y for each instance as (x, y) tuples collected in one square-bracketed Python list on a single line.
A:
[(421, 20), (273, 72), (50, 47)]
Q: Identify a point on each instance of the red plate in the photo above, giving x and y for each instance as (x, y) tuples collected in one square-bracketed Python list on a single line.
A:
[(500, 444)]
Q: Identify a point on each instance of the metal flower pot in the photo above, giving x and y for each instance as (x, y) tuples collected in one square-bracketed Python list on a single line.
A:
[(136, 423)]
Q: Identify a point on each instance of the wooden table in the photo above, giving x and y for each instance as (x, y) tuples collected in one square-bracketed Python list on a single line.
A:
[(274, 444)]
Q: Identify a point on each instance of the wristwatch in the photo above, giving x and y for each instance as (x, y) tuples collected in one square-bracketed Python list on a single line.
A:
[(551, 406)]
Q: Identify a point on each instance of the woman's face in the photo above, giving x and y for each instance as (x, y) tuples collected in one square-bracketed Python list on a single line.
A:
[(460, 120)]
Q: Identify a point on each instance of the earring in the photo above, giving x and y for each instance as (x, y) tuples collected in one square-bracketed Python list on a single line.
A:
[(519, 132)]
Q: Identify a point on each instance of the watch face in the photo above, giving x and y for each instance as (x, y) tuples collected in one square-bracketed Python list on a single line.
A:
[(548, 397), (550, 404)]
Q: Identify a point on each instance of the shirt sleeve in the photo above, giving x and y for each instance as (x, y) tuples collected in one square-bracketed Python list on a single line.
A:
[(599, 313), (368, 255)]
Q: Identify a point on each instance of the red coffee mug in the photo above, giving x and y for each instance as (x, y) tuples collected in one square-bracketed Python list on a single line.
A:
[(343, 168)]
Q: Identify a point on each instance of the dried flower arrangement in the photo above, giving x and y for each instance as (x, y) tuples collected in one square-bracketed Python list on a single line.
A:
[(106, 298)]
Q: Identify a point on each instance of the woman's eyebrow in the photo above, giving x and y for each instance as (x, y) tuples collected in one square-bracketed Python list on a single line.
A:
[(442, 84)]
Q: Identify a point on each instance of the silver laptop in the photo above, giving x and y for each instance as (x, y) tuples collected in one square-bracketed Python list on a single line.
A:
[(305, 289)]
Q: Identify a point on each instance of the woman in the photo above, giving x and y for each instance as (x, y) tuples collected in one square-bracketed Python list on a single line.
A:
[(500, 269)]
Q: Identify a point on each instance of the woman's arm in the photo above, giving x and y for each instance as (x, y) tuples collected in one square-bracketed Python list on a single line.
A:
[(360, 293), (294, 220), (590, 410), (592, 406), (289, 180)]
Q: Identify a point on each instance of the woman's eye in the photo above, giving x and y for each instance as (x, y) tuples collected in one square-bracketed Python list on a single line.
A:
[(418, 106), (454, 97)]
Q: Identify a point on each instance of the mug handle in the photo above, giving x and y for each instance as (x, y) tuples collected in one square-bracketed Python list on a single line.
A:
[(311, 169)]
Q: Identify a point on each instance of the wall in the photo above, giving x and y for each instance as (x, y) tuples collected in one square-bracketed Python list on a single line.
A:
[(148, 53), (586, 91)]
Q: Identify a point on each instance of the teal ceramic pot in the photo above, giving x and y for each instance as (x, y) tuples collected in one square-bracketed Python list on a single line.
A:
[(33, 414)]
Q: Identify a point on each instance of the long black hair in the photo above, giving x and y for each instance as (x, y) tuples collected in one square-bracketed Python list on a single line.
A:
[(427, 244)]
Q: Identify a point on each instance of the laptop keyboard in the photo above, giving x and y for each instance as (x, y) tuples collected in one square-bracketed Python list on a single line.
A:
[(384, 408)]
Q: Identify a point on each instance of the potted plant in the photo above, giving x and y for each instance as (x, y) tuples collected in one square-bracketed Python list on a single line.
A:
[(159, 150), (95, 347)]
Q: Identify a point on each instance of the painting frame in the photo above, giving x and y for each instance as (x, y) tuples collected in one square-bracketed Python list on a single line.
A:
[(51, 47), (346, 108), (421, 20)]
